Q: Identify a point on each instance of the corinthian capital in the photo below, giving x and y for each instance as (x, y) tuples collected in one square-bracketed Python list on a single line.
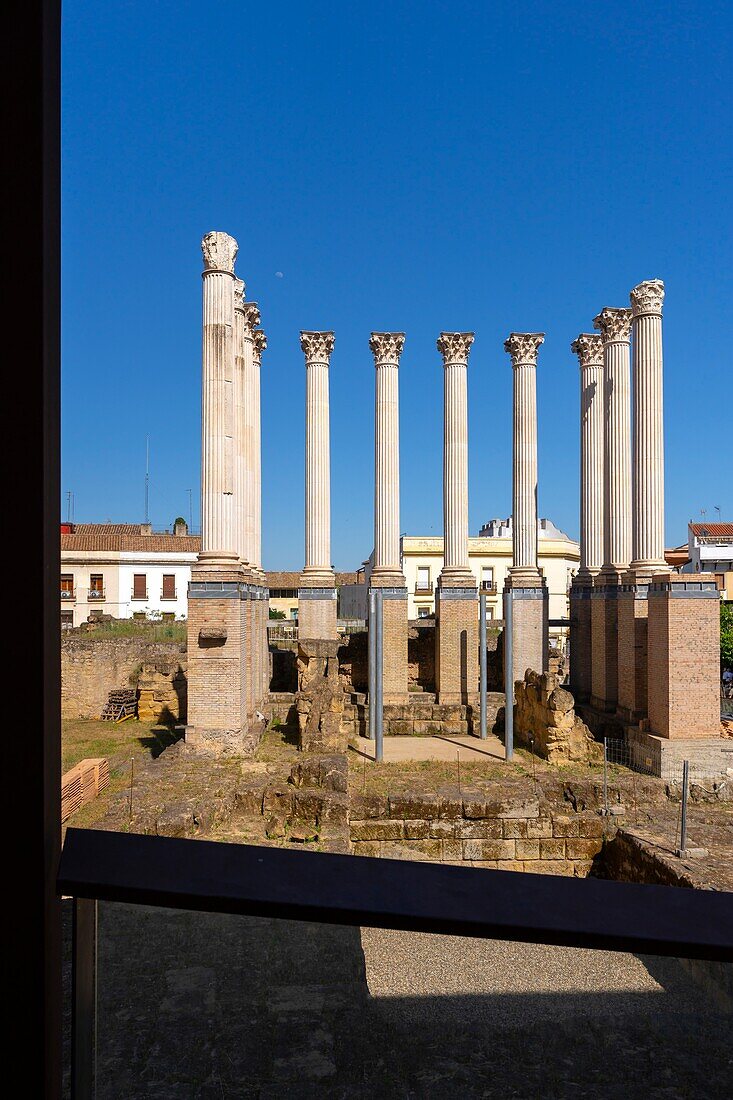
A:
[(238, 294), (647, 297), (454, 347), (220, 252), (589, 349), (260, 344), (317, 346), (614, 325), (523, 347), (251, 317), (387, 347)]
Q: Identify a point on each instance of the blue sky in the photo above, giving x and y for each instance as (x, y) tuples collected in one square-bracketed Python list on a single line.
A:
[(482, 166)]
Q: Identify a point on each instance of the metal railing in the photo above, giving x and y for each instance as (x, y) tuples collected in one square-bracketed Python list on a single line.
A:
[(489, 587), (68, 593), (97, 594), (423, 589)]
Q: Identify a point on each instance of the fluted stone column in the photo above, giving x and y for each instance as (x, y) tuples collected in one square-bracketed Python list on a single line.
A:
[(589, 349), (242, 494), (387, 572), (217, 646), (525, 585), (218, 533), (648, 471), (259, 344), (615, 328), (456, 600), (317, 591)]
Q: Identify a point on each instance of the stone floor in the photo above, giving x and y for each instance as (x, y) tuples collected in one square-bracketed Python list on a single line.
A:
[(199, 1006), (398, 749)]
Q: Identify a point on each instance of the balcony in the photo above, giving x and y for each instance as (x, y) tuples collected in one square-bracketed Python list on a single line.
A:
[(423, 588), (168, 595), (68, 594), (141, 596), (489, 587), (96, 594)]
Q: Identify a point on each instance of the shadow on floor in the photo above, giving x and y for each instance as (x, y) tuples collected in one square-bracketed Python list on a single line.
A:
[(199, 1006)]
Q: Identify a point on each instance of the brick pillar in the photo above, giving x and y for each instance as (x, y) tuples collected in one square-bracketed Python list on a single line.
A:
[(615, 328), (317, 590), (387, 571), (589, 349), (524, 584), (456, 597), (684, 656)]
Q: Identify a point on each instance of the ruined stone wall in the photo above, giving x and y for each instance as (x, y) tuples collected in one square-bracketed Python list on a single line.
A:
[(505, 830), (545, 713), (91, 668)]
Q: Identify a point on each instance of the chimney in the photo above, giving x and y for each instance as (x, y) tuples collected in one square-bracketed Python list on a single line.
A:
[(67, 528), (180, 527), (146, 528)]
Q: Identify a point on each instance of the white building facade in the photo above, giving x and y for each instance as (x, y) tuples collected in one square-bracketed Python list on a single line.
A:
[(125, 571)]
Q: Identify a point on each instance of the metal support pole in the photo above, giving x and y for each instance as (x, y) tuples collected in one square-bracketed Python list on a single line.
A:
[(379, 681), (508, 675), (84, 1000), (605, 776), (372, 661), (482, 660), (685, 792)]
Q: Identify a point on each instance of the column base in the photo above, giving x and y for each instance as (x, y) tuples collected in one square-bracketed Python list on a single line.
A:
[(580, 637), (217, 656), (632, 612), (530, 633), (684, 656), (394, 637), (604, 644), (317, 609), (456, 640)]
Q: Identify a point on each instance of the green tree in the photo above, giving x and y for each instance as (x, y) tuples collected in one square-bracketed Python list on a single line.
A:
[(726, 635), (276, 614)]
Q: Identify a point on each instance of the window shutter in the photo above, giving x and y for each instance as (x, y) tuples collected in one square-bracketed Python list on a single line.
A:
[(139, 586), (169, 586)]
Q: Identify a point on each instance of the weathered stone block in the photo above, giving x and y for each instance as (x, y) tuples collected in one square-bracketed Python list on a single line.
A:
[(277, 801), (443, 829), (413, 804), (412, 849), (540, 828), (367, 848), (368, 806), (590, 826), (563, 825), (417, 830), (426, 729), (450, 802), (376, 829), (452, 850), (552, 849), (514, 828), (401, 727), (479, 830), (583, 848), (498, 849), (528, 849)]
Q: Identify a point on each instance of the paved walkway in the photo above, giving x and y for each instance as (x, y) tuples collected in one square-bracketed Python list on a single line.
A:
[(195, 1006), (398, 749)]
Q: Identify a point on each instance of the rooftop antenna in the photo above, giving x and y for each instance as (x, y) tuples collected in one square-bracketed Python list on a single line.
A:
[(147, 475), (68, 506), (190, 510), (717, 509)]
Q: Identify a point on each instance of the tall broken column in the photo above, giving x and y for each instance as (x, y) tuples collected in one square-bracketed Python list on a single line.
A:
[(317, 590), (243, 490), (525, 586), (615, 329), (669, 630), (387, 573), (216, 670), (589, 349), (259, 344), (456, 599)]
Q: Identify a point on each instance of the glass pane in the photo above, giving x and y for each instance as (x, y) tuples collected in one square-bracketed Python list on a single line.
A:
[(207, 1005)]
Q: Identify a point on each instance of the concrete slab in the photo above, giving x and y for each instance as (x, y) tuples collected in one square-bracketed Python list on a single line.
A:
[(399, 749)]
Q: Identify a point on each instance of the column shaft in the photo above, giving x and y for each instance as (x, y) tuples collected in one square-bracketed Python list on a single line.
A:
[(217, 415), (386, 470), (648, 477), (615, 326)]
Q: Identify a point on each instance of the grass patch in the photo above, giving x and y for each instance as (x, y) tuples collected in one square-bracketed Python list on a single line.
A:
[(279, 745), (82, 738), (133, 628)]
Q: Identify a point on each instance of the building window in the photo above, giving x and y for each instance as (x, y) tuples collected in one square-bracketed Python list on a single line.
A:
[(67, 620), (140, 586), (139, 616), (169, 616), (169, 586), (423, 579), (293, 613), (67, 587), (423, 612), (487, 578), (96, 586)]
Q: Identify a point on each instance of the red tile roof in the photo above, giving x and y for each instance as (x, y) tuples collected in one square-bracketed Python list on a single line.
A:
[(100, 537), (712, 530)]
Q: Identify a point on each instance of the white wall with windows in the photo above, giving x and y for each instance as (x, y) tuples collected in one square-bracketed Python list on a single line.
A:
[(154, 587)]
